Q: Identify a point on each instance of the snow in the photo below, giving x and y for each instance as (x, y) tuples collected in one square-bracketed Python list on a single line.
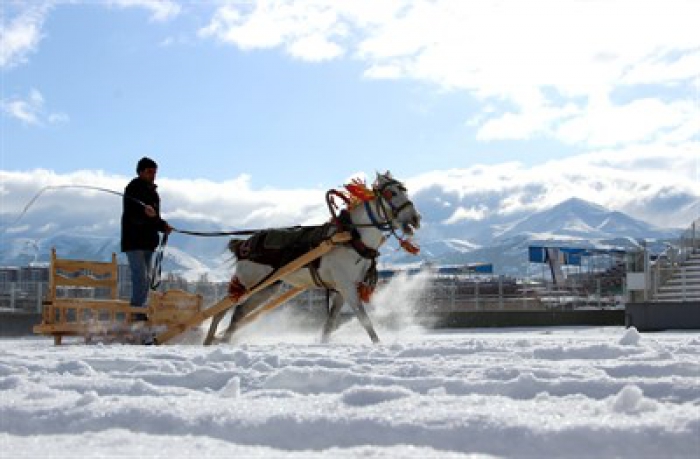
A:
[(549, 392)]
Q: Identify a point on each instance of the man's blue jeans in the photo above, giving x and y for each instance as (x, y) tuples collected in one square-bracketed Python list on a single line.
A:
[(140, 266)]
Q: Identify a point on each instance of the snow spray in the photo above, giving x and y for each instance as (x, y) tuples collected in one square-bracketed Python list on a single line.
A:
[(398, 304)]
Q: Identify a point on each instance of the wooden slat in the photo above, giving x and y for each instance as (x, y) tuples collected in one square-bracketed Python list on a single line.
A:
[(175, 299), (96, 267), (83, 273), (225, 303), (74, 329), (117, 305), (47, 329), (81, 281), (66, 272)]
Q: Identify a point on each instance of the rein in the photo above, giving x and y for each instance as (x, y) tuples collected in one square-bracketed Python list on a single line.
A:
[(357, 189)]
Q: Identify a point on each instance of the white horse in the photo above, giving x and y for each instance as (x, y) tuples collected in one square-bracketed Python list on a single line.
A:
[(386, 208)]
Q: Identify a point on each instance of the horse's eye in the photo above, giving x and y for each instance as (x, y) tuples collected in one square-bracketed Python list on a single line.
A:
[(388, 194)]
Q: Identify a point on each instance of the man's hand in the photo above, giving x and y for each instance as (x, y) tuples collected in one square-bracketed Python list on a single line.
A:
[(168, 228), (150, 211)]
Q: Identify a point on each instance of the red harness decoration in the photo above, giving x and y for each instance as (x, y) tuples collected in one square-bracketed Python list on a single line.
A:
[(364, 291), (409, 247), (236, 289), (358, 190)]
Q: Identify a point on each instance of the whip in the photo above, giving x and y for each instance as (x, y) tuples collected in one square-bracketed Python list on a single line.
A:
[(117, 193)]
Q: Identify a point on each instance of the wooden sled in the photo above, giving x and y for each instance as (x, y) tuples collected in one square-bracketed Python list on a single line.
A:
[(107, 319), (195, 320)]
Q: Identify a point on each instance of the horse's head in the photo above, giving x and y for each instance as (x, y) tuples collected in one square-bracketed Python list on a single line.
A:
[(400, 208)]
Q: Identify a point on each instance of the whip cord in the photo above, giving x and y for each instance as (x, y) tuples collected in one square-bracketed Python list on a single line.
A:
[(59, 187)]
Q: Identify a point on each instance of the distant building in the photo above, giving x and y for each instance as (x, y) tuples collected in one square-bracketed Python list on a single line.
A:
[(9, 274), (34, 273)]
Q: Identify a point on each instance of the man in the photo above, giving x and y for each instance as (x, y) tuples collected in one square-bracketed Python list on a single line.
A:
[(141, 223)]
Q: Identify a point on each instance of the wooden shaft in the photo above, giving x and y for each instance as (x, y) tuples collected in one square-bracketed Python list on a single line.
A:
[(176, 329), (269, 306), (294, 265)]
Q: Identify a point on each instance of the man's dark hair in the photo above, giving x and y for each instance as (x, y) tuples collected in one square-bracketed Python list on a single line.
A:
[(145, 163)]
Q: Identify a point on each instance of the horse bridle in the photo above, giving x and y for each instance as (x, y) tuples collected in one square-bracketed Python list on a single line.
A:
[(386, 195)]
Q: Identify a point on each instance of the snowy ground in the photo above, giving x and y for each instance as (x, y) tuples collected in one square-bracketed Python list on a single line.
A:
[(276, 392), (558, 392)]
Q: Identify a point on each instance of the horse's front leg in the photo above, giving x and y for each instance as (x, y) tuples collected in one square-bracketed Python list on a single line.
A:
[(332, 319), (351, 296)]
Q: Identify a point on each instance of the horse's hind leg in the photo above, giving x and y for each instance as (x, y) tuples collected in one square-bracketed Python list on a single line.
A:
[(353, 299), (248, 306), (332, 321), (212, 328), (365, 321)]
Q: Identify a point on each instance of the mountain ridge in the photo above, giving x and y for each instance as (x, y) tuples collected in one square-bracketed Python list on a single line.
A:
[(496, 239)]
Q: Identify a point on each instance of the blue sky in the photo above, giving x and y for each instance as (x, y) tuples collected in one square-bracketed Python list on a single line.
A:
[(121, 85), (212, 98), (303, 94)]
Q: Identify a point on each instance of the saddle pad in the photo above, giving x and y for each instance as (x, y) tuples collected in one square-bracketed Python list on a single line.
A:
[(277, 247)]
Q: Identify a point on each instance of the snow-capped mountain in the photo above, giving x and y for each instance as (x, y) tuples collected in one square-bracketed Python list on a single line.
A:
[(578, 218), (504, 242), (498, 239)]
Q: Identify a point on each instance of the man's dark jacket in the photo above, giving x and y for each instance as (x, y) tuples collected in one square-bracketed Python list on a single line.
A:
[(139, 231)]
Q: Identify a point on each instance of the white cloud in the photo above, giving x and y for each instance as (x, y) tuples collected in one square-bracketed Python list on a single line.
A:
[(31, 110), (18, 229), (161, 10), (462, 214), (642, 120), (552, 60), (659, 184), (21, 24), (663, 69), (656, 183), (20, 36), (309, 31), (315, 48), (524, 125), (224, 205), (25, 110)]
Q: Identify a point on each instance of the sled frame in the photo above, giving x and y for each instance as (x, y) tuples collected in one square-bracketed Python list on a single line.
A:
[(90, 317)]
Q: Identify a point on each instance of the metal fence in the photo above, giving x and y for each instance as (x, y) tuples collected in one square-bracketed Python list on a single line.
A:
[(438, 293)]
